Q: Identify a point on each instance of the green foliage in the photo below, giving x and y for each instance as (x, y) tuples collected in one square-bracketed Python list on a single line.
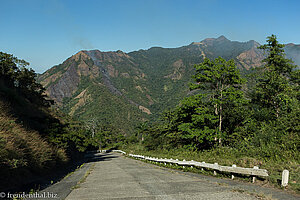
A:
[(15, 75), (274, 91), (196, 122), (221, 85), (273, 123), (26, 80), (9, 67)]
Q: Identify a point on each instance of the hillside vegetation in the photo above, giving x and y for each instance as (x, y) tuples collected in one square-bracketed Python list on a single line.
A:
[(226, 122), (35, 139), (125, 89)]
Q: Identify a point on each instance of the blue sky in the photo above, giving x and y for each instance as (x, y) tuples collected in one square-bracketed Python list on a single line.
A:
[(46, 32)]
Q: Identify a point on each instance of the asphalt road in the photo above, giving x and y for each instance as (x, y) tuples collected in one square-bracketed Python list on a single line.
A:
[(113, 176)]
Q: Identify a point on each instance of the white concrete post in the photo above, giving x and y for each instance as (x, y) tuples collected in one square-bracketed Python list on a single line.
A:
[(254, 178), (285, 178), (232, 176), (215, 172)]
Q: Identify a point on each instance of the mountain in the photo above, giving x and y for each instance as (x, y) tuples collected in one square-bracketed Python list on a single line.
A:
[(123, 89), (293, 52)]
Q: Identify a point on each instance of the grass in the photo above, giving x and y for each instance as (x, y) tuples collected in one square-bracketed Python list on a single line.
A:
[(257, 195), (84, 177), (23, 152), (69, 174), (227, 157)]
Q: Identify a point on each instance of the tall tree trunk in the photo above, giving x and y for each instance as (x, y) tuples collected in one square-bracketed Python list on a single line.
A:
[(220, 117), (216, 112), (220, 125)]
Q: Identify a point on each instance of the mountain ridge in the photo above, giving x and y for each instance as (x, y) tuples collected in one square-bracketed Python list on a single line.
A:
[(145, 81)]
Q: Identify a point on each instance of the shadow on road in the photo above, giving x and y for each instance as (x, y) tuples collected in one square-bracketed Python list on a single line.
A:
[(101, 157), (41, 183)]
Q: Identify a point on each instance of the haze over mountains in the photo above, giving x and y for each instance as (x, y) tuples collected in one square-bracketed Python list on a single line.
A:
[(123, 89)]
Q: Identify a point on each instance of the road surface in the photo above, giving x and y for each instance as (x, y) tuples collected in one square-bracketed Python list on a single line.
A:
[(113, 176)]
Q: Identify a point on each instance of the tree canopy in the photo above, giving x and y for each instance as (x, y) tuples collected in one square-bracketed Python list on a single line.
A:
[(221, 83), (274, 91)]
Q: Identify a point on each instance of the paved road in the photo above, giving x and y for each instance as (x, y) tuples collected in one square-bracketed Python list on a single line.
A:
[(116, 177)]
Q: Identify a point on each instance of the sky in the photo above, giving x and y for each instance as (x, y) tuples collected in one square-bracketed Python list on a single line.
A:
[(47, 32)]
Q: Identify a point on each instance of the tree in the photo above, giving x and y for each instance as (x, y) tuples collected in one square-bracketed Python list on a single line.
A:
[(92, 125), (220, 82), (196, 122), (15, 75), (26, 80), (273, 91), (9, 67)]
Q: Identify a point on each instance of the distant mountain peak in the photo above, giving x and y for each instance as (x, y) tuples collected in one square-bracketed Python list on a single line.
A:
[(80, 52), (219, 39), (222, 38), (254, 43), (210, 41), (290, 44), (119, 51), (98, 52)]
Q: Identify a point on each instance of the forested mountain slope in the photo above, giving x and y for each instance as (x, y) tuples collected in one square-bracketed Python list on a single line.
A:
[(123, 89)]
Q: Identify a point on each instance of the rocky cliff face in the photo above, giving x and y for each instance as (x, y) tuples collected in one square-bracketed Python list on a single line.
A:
[(132, 87)]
